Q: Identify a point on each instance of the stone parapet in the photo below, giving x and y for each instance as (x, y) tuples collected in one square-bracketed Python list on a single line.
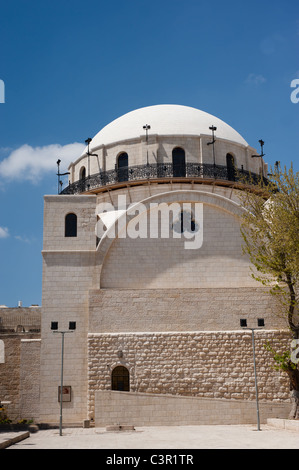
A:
[(287, 424), (141, 409)]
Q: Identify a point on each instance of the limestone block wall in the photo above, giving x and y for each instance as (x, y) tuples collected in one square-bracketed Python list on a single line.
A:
[(143, 409), (134, 149), (214, 365), (71, 292), (66, 280), (150, 261), (20, 319), (142, 192), (30, 379), (67, 275), (190, 144), (138, 310), (159, 149), (55, 210), (12, 375)]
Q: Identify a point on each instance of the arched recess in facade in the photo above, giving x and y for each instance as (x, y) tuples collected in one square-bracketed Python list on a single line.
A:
[(122, 163), (181, 196), (179, 162), (120, 379), (231, 167)]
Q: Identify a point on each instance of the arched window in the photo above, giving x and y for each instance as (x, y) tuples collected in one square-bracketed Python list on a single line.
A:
[(82, 177), (230, 165), (70, 225), (122, 167), (185, 223), (83, 173), (120, 379), (179, 162)]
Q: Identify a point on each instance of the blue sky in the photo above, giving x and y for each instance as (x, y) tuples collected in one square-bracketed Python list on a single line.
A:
[(70, 67)]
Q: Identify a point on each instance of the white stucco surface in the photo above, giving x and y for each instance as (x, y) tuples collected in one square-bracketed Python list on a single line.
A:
[(164, 120)]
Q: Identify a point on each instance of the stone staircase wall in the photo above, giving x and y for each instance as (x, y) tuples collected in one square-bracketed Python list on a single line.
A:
[(143, 409)]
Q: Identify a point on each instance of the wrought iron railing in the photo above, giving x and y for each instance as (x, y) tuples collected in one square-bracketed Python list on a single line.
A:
[(155, 171)]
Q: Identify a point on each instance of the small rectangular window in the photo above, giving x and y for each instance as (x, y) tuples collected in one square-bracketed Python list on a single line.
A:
[(54, 325)]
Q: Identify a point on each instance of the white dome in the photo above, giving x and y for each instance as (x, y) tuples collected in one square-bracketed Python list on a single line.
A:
[(164, 120)]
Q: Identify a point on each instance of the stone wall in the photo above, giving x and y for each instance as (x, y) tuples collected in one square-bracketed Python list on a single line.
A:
[(133, 310), (215, 365), (143, 409), (20, 319), (67, 275), (117, 316), (159, 149), (30, 379), (11, 373), (55, 210), (212, 258)]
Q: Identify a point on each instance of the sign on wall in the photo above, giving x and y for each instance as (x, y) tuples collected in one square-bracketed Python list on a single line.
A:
[(66, 393)]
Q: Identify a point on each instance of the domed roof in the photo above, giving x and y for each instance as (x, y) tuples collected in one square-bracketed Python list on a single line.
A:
[(164, 120)]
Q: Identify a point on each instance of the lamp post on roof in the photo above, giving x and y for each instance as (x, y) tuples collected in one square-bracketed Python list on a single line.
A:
[(87, 141), (213, 129), (262, 154), (60, 174), (146, 128)]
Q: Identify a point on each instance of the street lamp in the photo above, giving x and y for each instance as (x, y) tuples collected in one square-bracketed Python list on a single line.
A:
[(262, 143), (213, 129), (87, 141), (54, 328), (146, 128), (60, 174), (260, 324)]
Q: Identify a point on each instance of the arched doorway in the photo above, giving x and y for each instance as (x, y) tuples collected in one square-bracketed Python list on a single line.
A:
[(82, 177), (230, 166), (122, 167), (83, 173), (178, 162), (120, 379)]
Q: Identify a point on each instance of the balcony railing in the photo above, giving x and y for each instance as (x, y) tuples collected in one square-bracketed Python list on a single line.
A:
[(156, 171)]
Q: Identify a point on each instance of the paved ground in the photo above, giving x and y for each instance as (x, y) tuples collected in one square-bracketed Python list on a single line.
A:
[(162, 437)]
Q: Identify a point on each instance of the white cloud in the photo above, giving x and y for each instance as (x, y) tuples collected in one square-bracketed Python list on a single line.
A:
[(32, 163), (254, 79), (22, 239), (4, 233)]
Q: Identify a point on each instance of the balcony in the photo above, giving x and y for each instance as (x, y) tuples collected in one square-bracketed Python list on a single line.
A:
[(161, 172)]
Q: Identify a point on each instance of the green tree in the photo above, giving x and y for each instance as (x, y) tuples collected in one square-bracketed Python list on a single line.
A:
[(270, 230)]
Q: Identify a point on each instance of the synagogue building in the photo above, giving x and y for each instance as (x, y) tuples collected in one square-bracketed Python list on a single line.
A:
[(146, 283)]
